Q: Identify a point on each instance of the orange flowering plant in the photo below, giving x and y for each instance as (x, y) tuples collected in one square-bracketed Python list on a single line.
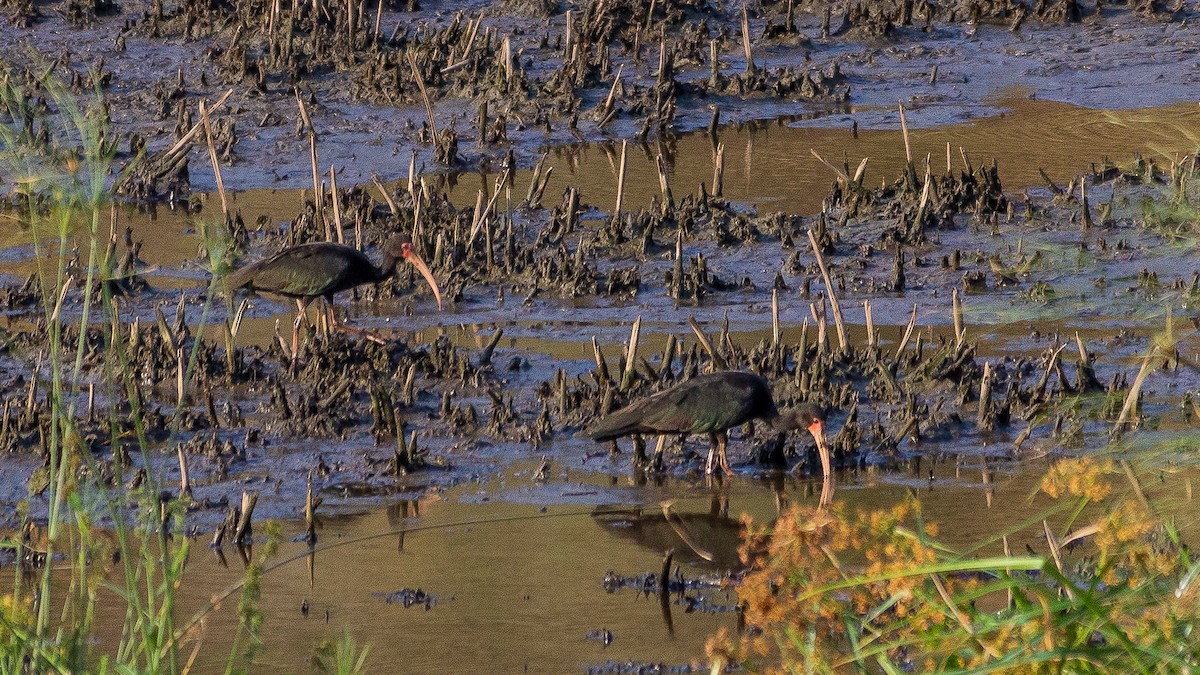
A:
[(832, 590)]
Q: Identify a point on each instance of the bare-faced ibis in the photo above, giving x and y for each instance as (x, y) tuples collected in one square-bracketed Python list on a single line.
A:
[(322, 269), (713, 404)]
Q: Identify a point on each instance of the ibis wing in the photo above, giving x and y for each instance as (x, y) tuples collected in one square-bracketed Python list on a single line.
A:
[(699, 405), (714, 405), (307, 270), (675, 410), (640, 417)]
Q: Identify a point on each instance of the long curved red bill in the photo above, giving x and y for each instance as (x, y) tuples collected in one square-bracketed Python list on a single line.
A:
[(817, 429), (414, 259)]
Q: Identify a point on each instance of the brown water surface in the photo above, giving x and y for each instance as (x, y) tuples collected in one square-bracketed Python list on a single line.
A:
[(769, 164), (518, 587)]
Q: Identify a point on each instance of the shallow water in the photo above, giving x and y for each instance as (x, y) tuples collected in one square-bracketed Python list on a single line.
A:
[(516, 567), (769, 164)]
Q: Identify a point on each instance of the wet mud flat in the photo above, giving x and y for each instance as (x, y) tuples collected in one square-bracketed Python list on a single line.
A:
[(520, 77)]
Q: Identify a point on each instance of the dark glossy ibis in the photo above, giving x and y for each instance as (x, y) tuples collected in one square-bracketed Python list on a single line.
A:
[(322, 269), (713, 404)]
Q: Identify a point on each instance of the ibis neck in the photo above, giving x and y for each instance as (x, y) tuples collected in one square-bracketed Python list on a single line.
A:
[(781, 422), (386, 271)]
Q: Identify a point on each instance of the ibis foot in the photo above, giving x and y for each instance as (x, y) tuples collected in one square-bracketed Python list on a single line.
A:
[(334, 324), (361, 332)]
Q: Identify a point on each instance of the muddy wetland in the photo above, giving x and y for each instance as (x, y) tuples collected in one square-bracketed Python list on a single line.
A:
[(613, 336)]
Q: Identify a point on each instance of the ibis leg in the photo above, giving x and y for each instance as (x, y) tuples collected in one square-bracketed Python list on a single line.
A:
[(330, 316), (301, 305), (657, 464), (712, 452), (722, 443), (334, 324), (639, 452)]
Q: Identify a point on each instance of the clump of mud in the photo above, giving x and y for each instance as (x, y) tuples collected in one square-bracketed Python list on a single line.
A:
[(409, 597)]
